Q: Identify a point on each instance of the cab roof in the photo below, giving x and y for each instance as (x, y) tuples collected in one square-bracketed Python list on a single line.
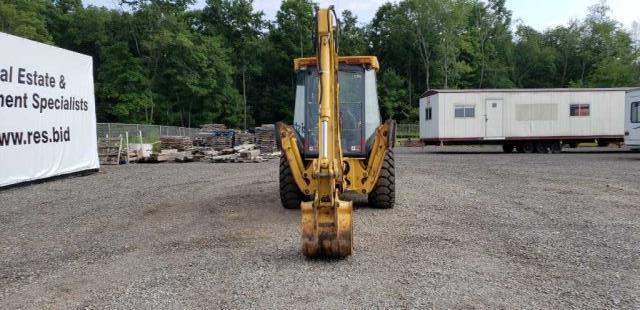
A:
[(371, 61)]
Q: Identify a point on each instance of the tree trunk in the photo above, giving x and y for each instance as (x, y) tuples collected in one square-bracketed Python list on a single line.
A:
[(446, 65), (409, 86), (244, 95), (564, 69), (425, 54), (151, 113), (426, 61), (301, 48), (584, 67), (181, 110), (482, 62)]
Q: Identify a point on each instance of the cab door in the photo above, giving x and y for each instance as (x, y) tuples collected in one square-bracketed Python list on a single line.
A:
[(632, 120), (352, 111), (351, 97)]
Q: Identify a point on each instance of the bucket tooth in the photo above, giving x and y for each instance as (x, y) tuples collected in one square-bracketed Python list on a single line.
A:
[(327, 229)]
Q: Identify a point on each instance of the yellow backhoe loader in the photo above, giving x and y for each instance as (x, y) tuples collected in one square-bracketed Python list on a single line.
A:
[(336, 144)]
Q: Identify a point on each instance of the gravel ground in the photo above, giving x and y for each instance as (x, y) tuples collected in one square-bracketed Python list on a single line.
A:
[(471, 229)]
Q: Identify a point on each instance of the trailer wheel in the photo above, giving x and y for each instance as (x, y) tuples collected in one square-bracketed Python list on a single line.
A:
[(383, 195), (556, 147), (604, 143), (542, 147), (290, 194), (528, 148), (507, 148)]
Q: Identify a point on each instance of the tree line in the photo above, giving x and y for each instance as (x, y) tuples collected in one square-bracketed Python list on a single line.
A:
[(160, 62)]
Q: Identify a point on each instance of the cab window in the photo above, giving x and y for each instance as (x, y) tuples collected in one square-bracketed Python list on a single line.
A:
[(351, 101), (635, 112), (351, 97)]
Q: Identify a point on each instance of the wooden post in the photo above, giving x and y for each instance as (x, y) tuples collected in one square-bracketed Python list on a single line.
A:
[(126, 135)]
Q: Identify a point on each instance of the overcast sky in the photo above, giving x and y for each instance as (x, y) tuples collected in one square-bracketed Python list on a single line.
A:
[(540, 14)]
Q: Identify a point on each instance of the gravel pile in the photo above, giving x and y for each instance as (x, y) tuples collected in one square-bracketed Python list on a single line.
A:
[(471, 229)]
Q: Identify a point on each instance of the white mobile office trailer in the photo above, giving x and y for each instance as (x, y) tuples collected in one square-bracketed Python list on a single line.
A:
[(632, 119), (527, 120)]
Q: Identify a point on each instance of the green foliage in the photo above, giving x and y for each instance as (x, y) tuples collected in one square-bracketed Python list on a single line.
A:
[(535, 61), (393, 96), (159, 61), (353, 39), (289, 37), (614, 73), (124, 90), (242, 30), (25, 18)]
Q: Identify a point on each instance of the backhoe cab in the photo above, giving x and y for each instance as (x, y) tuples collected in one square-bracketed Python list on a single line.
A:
[(336, 144)]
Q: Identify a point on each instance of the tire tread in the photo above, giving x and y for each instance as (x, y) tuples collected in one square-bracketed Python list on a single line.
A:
[(290, 194), (383, 195)]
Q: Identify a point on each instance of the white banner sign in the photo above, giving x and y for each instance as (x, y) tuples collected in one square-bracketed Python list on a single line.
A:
[(47, 111)]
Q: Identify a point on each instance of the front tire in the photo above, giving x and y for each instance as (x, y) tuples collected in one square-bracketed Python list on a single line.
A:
[(290, 194), (383, 195)]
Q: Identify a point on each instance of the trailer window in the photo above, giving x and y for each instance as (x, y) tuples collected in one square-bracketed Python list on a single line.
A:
[(465, 111), (579, 110), (635, 112), (428, 114)]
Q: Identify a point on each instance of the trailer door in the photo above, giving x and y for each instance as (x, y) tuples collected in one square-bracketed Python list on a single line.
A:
[(633, 120), (493, 119)]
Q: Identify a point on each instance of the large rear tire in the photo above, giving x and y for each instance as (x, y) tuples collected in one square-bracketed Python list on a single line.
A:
[(290, 194), (383, 195)]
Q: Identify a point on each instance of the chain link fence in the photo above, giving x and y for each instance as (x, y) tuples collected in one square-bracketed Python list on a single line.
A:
[(148, 133), (408, 131), (152, 133)]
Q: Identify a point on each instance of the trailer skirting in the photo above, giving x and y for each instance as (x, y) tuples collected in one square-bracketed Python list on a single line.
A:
[(482, 140)]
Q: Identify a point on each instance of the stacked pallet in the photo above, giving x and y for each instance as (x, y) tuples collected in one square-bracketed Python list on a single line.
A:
[(266, 138), (245, 153), (215, 136), (111, 151), (179, 143), (133, 156), (213, 127), (218, 140), (242, 137)]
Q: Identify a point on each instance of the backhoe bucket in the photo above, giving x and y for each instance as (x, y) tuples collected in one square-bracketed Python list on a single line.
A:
[(327, 229)]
